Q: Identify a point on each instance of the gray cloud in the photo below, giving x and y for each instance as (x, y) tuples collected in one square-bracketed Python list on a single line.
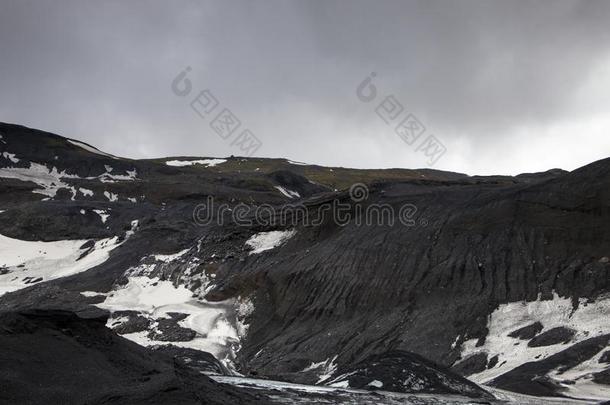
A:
[(507, 86)]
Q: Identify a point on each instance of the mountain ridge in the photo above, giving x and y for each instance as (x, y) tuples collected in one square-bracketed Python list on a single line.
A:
[(329, 293)]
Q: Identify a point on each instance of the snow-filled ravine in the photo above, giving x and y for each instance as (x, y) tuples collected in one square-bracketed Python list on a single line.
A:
[(586, 320), (218, 326), (23, 263)]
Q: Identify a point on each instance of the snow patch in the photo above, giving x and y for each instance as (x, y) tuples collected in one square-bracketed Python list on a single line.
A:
[(23, 263), (111, 196), (172, 257), (10, 156), (107, 177), (134, 227), (340, 384), (103, 215), (455, 342), (86, 192), (288, 193), (376, 384), (91, 294), (206, 162), (50, 180), (327, 369), (263, 241)]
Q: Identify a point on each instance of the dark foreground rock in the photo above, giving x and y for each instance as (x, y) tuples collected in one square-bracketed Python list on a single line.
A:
[(55, 357), (203, 362)]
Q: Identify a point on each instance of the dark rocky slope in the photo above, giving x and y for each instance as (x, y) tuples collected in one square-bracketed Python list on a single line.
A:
[(343, 292)]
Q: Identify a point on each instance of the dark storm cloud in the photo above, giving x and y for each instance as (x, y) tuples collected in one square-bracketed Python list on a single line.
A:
[(506, 86)]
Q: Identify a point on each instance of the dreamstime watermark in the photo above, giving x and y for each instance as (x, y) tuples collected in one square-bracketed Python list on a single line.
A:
[(342, 212), (409, 128), (225, 123)]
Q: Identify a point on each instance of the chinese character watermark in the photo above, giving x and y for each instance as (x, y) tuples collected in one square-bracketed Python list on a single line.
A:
[(410, 129), (224, 122)]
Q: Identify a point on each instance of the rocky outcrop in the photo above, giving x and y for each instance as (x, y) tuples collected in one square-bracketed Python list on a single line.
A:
[(400, 371)]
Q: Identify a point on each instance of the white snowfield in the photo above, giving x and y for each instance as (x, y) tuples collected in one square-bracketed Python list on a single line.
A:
[(588, 320), (155, 298), (205, 162), (263, 241), (26, 263), (218, 325)]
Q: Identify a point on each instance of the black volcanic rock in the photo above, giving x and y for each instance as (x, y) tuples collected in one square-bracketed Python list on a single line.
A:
[(133, 322), (169, 330), (552, 337), (400, 371), (471, 365), (527, 332), (602, 377)]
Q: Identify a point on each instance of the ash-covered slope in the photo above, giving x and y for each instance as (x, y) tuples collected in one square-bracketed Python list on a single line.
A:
[(479, 258)]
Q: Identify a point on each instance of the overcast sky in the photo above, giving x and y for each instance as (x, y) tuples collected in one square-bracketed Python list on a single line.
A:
[(506, 86)]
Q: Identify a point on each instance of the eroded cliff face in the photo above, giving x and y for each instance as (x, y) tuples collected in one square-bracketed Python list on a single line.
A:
[(296, 299)]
